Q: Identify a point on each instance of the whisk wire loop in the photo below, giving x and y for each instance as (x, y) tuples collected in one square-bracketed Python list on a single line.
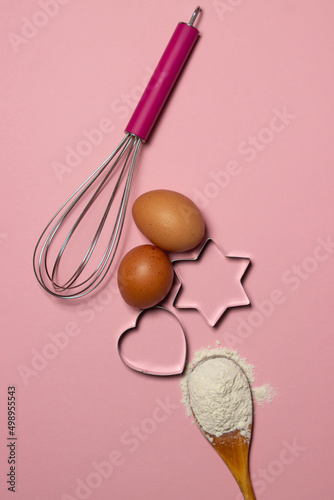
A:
[(47, 271), (90, 250)]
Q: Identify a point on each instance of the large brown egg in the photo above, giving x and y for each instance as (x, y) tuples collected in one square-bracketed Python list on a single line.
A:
[(170, 220), (145, 276)]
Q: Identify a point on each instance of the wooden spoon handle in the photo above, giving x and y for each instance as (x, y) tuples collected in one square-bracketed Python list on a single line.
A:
[(234, 449), (246, 487)]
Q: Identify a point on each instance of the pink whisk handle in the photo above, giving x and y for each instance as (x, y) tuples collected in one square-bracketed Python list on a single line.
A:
[(162, 80)]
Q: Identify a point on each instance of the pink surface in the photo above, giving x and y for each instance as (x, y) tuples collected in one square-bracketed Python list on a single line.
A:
[(247, 134)]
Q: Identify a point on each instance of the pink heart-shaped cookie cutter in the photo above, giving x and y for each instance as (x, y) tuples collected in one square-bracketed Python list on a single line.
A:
[(156, 344)]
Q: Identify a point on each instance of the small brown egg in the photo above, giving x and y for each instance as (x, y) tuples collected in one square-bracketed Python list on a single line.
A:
[(145, 276), (168, 219)]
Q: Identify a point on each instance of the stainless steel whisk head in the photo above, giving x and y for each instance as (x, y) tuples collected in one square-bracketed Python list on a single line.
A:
[(81, 282), (87, 276)]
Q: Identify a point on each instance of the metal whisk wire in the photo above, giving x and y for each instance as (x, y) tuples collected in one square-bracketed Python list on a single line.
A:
[(45, 272)]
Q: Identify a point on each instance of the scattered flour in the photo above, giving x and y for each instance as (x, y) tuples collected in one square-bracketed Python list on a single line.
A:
[(220, 391)]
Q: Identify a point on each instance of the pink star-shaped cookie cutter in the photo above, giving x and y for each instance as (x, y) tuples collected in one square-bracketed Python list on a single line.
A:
[(213, 284)]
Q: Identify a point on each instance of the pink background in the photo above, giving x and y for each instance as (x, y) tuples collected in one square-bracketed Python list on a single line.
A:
[(86, 63)]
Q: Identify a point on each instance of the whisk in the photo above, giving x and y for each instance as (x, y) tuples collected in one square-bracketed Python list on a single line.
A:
[(47, 258)]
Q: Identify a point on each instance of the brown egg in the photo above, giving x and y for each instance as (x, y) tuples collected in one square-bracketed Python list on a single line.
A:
[(145, 276), (170, 220)]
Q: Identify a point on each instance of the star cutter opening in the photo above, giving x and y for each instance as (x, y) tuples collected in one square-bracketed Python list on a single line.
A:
[(213, 285)]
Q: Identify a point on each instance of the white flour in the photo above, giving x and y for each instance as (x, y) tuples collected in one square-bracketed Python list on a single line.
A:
[(220, 391)]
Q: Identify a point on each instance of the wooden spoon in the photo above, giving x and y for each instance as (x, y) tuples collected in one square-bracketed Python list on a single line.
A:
[(233, 448)]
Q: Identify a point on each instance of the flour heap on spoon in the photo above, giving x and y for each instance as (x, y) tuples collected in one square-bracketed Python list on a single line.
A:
[(220, 396), (218, 388)]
